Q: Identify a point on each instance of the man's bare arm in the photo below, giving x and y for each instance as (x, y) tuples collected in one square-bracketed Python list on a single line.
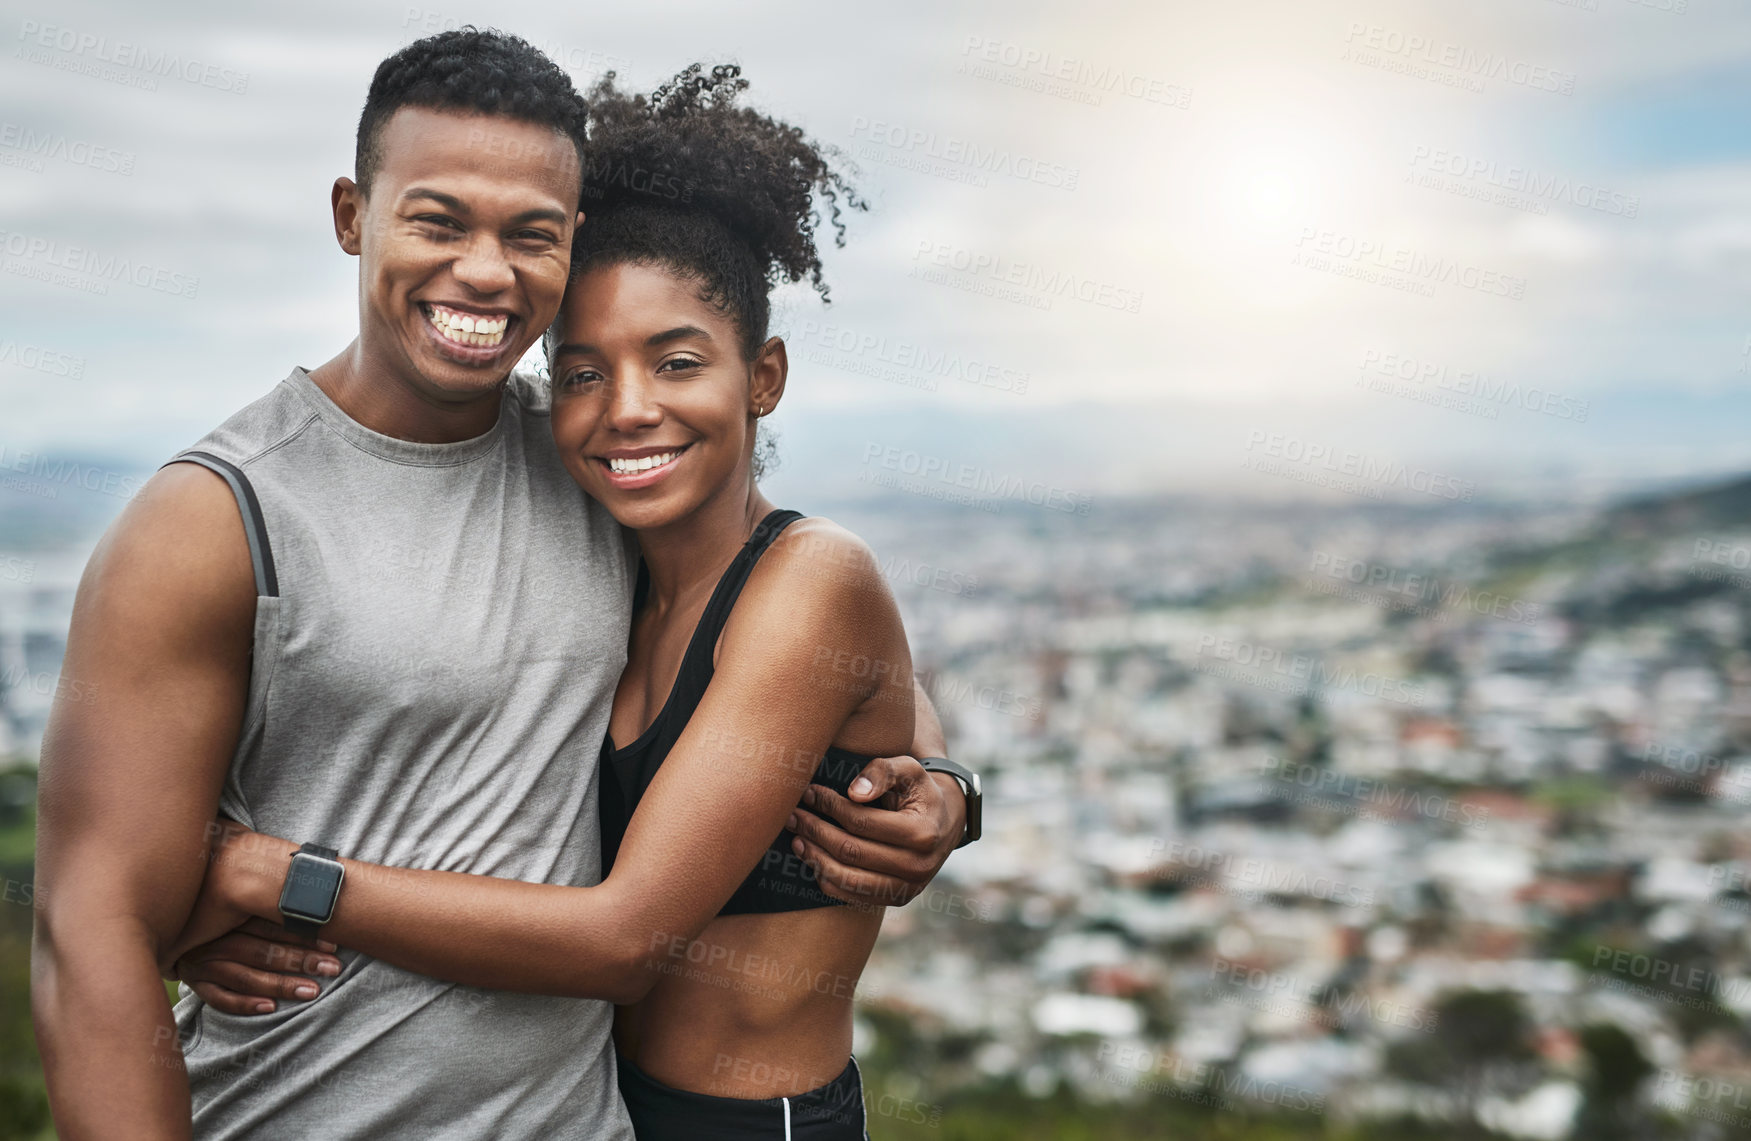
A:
[(143, 727), (895, 831)]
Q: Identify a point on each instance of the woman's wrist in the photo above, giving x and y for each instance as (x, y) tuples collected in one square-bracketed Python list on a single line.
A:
[(254, 873)]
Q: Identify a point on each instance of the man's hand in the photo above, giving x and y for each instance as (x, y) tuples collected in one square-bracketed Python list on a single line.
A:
[(246, 971), (881, 854)]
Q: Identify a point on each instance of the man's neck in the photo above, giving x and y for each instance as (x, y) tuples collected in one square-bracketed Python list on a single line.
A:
[(380, 399)]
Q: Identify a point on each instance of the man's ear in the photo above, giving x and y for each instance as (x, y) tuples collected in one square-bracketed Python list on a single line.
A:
[(348, 203), (770, 369)]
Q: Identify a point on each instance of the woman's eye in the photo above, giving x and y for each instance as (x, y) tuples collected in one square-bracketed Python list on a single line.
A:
[(677, 364), (580, 377)]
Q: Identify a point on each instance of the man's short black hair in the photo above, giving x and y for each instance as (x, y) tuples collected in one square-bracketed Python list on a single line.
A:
[(467, 70)]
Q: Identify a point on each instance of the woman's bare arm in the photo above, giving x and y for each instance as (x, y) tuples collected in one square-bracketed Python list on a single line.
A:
[(700, 828)]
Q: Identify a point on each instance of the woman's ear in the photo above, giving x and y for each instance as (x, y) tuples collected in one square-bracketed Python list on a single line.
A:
[(767, 376)]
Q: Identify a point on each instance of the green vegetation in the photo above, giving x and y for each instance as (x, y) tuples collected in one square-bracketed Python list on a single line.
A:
[(24, 1106)]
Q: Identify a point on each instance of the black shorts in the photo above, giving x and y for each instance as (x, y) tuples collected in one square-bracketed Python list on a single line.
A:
[(833, 1112)]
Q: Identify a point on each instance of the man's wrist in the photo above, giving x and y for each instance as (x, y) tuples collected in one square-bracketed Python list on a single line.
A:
[(954, 799), (971, 795)]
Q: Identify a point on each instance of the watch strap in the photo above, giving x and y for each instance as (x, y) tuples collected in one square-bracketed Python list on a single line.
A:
[(970, 789)]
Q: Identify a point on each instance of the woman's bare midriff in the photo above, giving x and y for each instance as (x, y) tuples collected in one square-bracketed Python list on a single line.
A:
[(758, 1006)]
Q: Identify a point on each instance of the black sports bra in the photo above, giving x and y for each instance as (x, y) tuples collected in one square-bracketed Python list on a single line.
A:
[(781, 882)]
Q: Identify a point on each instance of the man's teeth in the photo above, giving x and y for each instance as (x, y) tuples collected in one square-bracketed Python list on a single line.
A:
[(631, 467), (466, 328)]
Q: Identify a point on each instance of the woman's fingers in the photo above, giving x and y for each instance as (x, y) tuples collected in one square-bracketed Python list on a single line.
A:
[(273, 932), (230, 1002), (272, 954), (258, 984)]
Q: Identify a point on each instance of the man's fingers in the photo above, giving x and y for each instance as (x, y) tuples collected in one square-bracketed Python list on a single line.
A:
[(863, 854), (885, 774), (853, 885), (230, 1002), (905, 827)]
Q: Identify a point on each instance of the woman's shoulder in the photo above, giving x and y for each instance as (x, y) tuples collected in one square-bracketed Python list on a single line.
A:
[(815, 549)]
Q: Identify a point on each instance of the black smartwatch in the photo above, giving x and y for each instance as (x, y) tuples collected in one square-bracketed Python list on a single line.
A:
[(312, 886), (969, 782)]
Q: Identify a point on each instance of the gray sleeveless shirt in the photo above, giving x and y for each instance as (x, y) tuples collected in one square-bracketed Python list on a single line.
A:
[(437, 642)]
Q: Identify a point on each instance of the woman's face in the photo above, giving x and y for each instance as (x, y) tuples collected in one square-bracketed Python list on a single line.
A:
[(653, 404)]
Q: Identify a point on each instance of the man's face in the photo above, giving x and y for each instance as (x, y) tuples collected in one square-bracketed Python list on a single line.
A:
[(464, 245)]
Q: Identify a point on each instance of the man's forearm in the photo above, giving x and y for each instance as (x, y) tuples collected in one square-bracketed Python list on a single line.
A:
[(927, 736), (108, 1041)]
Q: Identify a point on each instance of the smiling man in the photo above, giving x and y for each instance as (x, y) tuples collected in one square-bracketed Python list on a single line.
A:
[(372, 611)]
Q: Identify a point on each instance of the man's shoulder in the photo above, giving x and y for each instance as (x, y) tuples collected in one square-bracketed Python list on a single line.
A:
[(529, 394), (258, 427)]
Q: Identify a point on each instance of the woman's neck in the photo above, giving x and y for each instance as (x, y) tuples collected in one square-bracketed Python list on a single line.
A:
[(684, 555)]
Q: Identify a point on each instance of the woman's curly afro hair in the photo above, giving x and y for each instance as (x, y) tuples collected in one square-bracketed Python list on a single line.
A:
[(687, 179)]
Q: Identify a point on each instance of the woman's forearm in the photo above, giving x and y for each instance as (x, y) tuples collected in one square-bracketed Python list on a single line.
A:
[(475, 930)]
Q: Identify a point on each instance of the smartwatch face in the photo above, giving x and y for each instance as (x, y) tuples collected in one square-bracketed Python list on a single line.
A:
[(311, 886)]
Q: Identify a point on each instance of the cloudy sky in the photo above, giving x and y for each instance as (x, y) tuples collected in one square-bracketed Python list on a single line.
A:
[(1114, 247)]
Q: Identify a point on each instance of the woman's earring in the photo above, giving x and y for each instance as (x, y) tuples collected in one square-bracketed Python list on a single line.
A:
[(759, 412)]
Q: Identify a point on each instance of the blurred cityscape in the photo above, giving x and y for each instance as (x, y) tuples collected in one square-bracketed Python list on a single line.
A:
[(1334, 814)]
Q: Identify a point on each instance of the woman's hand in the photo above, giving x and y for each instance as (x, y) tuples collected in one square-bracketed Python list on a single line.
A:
[(245, 971), (242, 869)]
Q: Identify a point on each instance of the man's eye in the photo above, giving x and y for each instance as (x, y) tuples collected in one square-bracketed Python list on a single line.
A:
[(449, 227), (534, 237)]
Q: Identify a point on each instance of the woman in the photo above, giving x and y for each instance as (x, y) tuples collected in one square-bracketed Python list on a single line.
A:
[(766, 654)]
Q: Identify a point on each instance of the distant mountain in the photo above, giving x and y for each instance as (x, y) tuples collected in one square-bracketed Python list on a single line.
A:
[(1694, 509)]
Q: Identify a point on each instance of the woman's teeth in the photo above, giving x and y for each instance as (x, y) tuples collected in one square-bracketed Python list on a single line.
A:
[(631, 467), (466, 328)]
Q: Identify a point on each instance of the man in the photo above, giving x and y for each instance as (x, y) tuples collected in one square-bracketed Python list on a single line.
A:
[(373, 612)]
